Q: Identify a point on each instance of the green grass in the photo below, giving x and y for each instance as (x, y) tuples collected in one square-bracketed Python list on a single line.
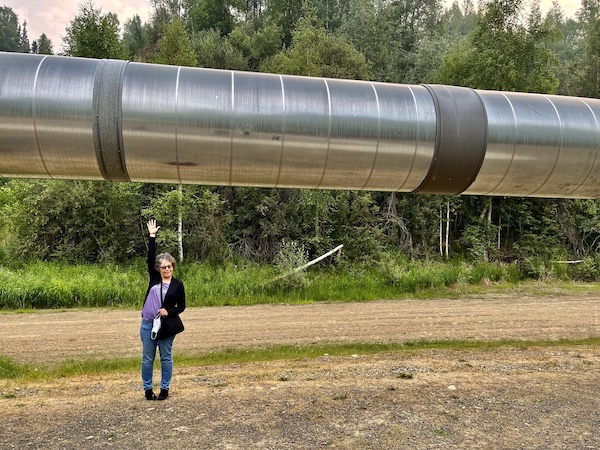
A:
[(10, 370), (60, 286)]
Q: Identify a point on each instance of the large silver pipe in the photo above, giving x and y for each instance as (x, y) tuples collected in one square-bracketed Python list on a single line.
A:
[(78, 118)]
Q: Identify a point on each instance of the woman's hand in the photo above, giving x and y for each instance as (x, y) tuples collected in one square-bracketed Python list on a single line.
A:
[(152, 228), (163, 312)]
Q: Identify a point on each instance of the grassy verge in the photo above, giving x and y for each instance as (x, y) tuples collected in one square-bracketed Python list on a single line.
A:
[(10, 370), (56, 286)]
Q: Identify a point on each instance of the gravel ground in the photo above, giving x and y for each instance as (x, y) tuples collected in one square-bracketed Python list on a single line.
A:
[(522, 397)]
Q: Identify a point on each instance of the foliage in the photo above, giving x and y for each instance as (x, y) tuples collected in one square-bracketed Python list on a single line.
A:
[(77, 221), (395, 37), (24, 45), (175, 47), (317, 53), (502, 53), (290, 257), (60, 285), (210, 14), (217, 52), (93, 34), (590, 63), (10, 40), (134, 37), (257, 42), (43, 45), (204, 217)]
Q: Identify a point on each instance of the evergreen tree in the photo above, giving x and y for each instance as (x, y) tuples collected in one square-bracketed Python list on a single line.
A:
[(44, 45), (24, 45), (134, 36), (175, 47)]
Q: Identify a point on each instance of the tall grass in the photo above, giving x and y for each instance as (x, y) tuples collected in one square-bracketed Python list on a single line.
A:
[(58, 285)]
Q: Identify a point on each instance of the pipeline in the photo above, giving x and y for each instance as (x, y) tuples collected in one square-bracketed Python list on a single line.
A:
[(78, 118)]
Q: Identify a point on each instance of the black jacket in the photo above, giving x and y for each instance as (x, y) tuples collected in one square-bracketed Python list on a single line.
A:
[(174, 300)]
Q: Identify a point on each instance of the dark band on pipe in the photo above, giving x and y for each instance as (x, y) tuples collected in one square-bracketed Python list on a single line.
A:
[(460, 143), (108, 136)]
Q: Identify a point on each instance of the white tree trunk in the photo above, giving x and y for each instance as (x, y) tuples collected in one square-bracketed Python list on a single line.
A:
[(180, 224), (441, 234), (447, 226)]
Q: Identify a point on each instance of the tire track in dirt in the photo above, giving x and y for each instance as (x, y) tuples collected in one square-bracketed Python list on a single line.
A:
[(54, 336)]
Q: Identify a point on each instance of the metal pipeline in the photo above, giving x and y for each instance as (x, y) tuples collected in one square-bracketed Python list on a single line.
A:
[(76, 118)]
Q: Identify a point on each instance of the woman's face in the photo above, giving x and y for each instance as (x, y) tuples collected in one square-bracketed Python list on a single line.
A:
[(166, 269)]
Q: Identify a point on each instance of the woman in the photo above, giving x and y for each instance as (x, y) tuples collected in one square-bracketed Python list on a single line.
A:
[(160, 270)]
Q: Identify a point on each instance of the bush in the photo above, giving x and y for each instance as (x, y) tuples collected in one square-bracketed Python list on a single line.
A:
[(587, 270), (290, 257)]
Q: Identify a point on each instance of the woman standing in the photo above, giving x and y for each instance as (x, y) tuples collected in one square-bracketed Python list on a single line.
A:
[(169, 302)]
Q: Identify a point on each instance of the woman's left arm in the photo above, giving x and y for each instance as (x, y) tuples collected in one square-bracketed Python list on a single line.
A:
[(177, 302)]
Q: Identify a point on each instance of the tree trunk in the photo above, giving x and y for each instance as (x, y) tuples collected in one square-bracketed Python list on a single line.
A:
[(180, 223), (447, 225), (487, 231), (441, 233), (499, 230)]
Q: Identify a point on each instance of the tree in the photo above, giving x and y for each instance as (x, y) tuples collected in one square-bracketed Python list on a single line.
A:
[(10, 38), (42, 46), (317, 53), (257, 41), (175, 47), (569, 48), (590, 77), (396, 36), (287, 13), (97, 221), (217, 52), (93, 34), (502, 53), (196, 212), (460, 20), (134, 36), (24, 45), (210, 14)]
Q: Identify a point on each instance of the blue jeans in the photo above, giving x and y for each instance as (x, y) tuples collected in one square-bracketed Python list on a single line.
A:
[(149, 353)]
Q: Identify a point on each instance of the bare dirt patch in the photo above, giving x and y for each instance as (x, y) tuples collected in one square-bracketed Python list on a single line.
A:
[(508, 398)]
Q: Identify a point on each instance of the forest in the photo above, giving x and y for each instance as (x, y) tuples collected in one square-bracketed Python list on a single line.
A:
[(507, 45)]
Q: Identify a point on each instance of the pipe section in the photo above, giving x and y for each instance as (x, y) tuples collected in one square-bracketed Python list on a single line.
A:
[(79, 118)]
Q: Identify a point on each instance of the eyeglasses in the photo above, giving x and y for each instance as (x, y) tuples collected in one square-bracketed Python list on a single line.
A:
[(169, 267)]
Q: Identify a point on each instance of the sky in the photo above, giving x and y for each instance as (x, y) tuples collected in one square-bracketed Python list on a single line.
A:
[(52, 17)]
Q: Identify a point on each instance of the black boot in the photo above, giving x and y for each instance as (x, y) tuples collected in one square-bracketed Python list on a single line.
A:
[(164, 393), (150, 394)]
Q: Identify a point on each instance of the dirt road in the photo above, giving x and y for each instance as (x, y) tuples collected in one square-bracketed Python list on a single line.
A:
[(54, 336), (510, 398)]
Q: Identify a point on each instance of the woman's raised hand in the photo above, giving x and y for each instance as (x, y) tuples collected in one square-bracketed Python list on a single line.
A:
[(152, 228)]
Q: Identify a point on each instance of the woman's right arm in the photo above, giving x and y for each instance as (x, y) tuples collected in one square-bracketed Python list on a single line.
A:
[(152, 230)]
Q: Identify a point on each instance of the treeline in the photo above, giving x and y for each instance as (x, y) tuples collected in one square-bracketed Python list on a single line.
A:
[(507, 45)]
